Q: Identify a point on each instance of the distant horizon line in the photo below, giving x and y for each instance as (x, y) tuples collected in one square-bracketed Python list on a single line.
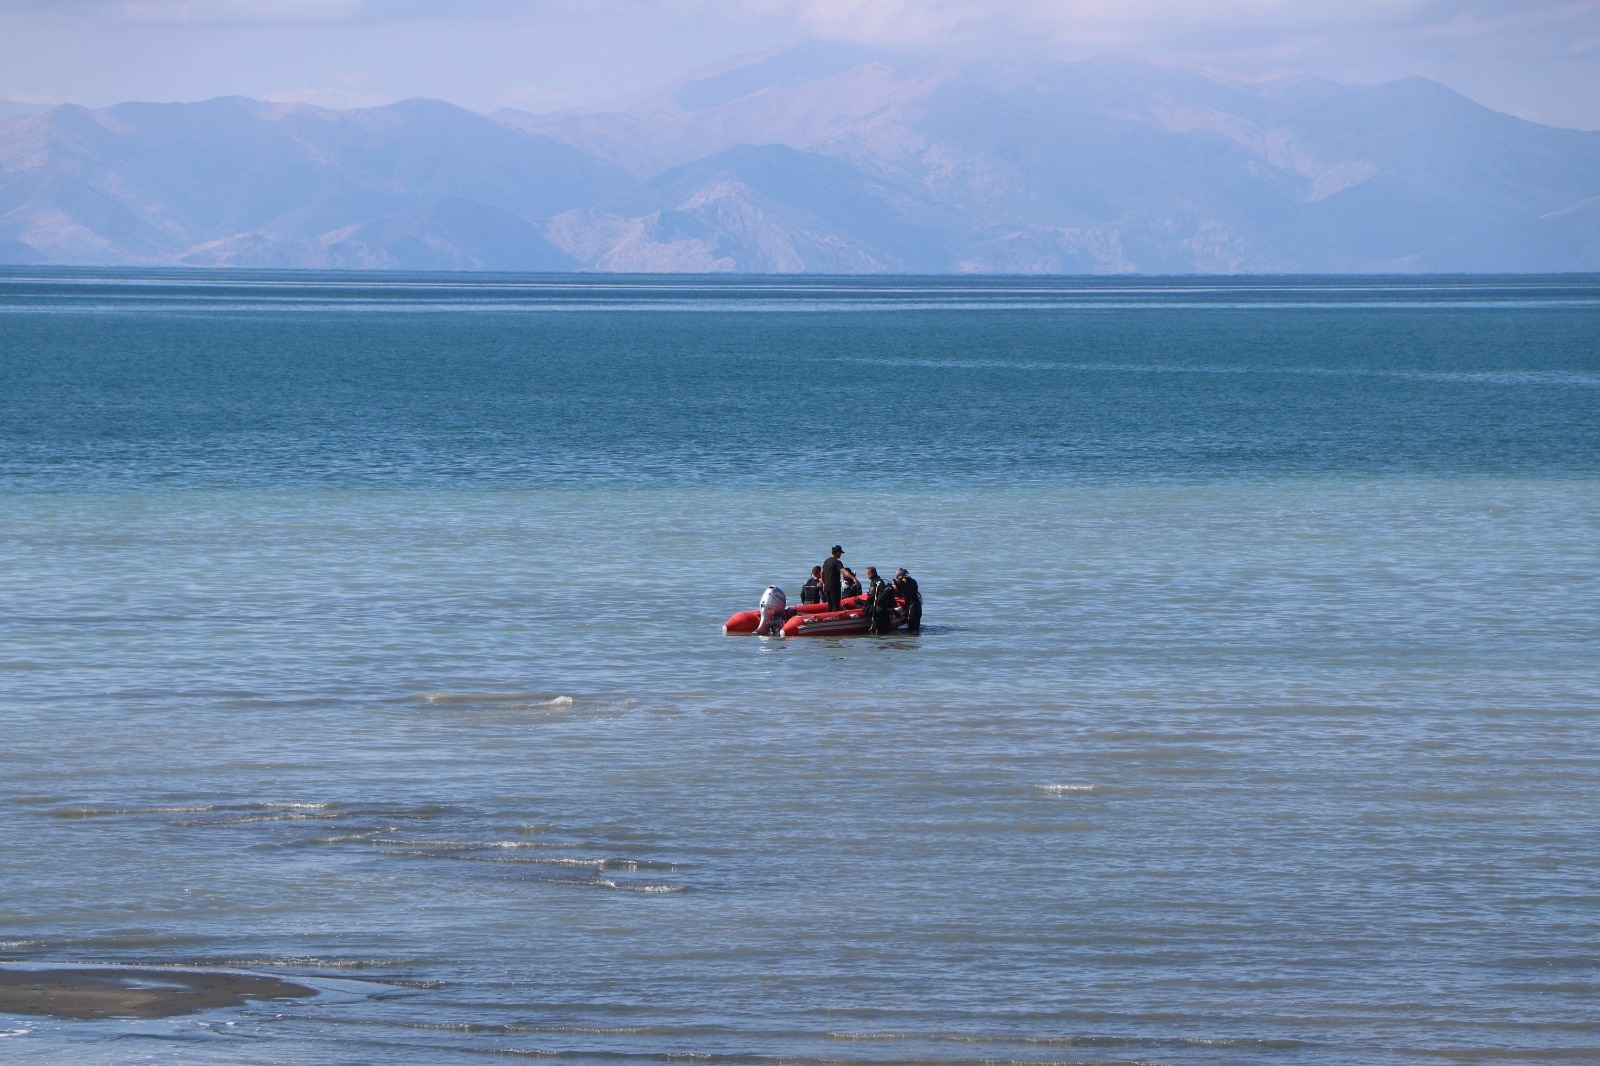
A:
[(7, 270)]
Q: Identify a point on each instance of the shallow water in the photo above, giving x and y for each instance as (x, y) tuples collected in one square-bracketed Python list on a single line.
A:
[(368, 628)]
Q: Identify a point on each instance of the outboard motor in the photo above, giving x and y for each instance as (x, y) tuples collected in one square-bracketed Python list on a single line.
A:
[(772, 607)]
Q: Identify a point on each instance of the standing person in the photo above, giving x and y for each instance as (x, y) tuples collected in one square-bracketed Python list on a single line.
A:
[(905, 586), (832, 567), (772, 606), (880, 603), (811, 591)]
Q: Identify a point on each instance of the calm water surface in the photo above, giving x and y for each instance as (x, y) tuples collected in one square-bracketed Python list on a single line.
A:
[(365, 630)]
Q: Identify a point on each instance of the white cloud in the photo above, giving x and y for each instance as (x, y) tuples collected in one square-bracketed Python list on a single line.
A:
[(895, 22), (303, 12), (1151, 24), (1537, 58), (341, 92), (1569, 26), (537, 98), (187, 12)]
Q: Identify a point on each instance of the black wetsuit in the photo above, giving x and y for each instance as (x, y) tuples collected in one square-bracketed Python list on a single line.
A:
[(906, 588), (830, 581), (811, 591), (880, 607)]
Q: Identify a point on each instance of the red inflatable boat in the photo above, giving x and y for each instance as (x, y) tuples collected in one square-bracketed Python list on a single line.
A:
[(815, 620)]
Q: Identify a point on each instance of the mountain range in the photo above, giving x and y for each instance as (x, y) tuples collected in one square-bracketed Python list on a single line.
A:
[(823, 158)]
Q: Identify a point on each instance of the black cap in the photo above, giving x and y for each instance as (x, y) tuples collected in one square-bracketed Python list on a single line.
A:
[(837, 549), (900, 571)]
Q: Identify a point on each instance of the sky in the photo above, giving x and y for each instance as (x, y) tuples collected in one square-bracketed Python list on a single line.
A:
[(1538, 59)]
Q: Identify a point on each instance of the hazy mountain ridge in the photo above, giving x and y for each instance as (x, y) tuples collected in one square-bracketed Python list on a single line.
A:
[(824, 159), (235, 182)]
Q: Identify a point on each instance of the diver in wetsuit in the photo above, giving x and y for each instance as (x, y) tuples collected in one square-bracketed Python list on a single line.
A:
[(880, 603), (905, 586), (811, 591)]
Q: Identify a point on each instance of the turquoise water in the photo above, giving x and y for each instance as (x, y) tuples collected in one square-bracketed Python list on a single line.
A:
[(366, 629)]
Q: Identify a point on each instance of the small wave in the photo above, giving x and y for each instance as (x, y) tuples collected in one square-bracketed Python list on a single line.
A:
[(636, 864), (615, 886), (510, 699), (89, 810), (597, 1030), (166, 943), (516, 860), (1244, 1042), (421, 812), (312, 962), (14, 1032), (474, 1028), (256, 819), (1089, 1041), (475, 845), (654, 890), (1066, 790), (306, 811), (345, 838), (1086, 1040), (507, 1028)]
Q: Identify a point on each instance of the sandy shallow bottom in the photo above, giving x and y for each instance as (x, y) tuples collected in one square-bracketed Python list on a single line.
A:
[(134, 992)]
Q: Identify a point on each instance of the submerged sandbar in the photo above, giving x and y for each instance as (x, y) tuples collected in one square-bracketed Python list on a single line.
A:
[(87, 992)]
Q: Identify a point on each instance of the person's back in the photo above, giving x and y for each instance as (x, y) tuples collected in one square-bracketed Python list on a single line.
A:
[(880, 603), (832, 571), (811, 591)]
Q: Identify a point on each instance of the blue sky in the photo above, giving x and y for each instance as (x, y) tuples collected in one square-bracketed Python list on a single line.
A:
[(1536, 58)]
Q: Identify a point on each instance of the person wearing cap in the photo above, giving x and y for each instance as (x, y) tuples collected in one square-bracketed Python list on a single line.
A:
[(905, 586), (832, 567)]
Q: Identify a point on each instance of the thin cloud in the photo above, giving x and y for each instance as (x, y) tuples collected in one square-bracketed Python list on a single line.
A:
[(537, 98), (185, 12), (342, 92), (296, 12), (1124, 24), (1149, 24), (1536, 58)]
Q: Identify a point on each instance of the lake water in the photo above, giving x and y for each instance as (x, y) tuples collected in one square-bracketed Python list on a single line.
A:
[(366, 629)]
